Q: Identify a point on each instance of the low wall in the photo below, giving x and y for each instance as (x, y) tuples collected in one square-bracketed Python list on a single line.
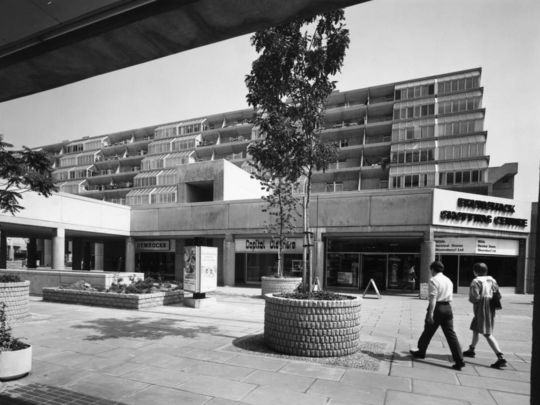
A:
[(54, 278), (15, 296), (112, 300)]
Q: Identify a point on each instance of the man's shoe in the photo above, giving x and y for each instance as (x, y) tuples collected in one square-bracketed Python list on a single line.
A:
[(469, 353), (417, 354), (458, 366), (499, 363)]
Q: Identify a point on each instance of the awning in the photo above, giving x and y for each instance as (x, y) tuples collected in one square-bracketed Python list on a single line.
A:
[(140, 191), (144, 175), (164, 190)]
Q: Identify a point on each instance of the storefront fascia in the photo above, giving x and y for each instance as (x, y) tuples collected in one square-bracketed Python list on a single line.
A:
[(256, 256), (471, 228)]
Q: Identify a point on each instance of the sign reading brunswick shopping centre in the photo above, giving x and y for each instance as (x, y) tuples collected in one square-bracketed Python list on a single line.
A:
[(465, 210)]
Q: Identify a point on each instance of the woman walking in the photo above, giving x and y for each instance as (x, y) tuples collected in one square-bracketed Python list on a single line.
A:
[(480, 294)]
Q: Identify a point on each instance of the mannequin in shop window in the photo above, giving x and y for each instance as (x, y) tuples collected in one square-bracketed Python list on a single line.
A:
[(411, 278)]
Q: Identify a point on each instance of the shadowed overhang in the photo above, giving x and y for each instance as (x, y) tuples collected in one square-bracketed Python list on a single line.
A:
[(49, 43)]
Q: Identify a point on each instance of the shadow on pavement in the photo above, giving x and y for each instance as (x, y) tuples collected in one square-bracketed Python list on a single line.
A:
[(114, 328)]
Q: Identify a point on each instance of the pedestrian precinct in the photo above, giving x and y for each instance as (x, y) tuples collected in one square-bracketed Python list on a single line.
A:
[(439, 313), (480, 294)]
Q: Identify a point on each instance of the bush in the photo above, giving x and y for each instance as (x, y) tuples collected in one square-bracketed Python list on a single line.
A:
[(7, 342), (10, 278), (316, 295)]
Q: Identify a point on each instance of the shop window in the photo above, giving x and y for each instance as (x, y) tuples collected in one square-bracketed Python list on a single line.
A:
[(466, 177), (475, 176), (449, 178)]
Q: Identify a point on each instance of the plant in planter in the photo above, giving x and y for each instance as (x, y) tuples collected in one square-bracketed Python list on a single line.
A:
[(288, 87), (15, 355)]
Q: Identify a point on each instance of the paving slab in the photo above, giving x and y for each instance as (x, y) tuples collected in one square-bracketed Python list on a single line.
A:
[(174, 354)]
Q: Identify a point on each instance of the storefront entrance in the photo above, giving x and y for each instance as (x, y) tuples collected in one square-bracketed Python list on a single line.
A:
[(250, 267), (158, 265)]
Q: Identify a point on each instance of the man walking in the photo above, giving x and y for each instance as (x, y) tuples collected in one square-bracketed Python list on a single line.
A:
[(439, 313)]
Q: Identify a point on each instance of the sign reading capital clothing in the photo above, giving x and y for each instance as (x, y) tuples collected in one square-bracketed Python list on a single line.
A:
[(464, 210), (477, 246), (262, 245)]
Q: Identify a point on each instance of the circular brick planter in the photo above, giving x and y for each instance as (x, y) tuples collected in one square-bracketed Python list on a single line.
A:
[(312, 328), (279, 285), (15, 296)]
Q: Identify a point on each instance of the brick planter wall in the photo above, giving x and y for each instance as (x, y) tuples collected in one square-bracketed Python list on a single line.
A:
[(15, 295), (278, 285), (312, 328), (113, 300)]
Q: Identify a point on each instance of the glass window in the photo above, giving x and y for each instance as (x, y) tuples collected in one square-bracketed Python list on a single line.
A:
[(431, 89), (398, 95), (401, 157), (415, 180), (441, 178), (458, 178), (410, 133), (475, 176), (415, 156), (408, 181), (450, 178), (466, 177)]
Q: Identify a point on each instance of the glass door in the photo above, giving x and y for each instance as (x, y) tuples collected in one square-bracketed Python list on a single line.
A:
[(343, 270), (374, 267)]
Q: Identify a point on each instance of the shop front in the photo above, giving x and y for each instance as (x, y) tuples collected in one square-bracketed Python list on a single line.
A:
[(257, 257), (392, 263), (155, 258), (460, 253)]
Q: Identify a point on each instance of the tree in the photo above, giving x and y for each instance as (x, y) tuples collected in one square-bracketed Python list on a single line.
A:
[(22, 171), (288, 86)]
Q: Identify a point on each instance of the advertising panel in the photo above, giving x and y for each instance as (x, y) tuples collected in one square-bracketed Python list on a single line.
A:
[(465, 210), (200, 268)]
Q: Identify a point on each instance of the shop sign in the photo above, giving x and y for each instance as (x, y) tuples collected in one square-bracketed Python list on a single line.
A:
[(261, 245), (200, 268), (477, 246), (153, 245), (481, 212)]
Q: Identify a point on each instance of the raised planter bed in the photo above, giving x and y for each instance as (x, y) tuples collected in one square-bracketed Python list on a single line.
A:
[(15, 295), (113, 300), (312, 328), (279, 285)]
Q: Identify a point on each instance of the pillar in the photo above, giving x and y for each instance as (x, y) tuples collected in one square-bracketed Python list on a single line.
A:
[(427, 256), (59, 249), (98, 256), (11, 249), (3, 250), (318, 264), (229, 256), (47, 252), (130, 254), (31, 253), (179, 259)]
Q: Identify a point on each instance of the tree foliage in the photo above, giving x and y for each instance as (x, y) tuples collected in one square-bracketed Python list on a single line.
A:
[(288, 86), (22, 171)]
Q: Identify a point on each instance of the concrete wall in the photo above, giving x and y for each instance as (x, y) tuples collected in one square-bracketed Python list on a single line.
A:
[(72, 212), (337, 210), (238, 184), (54, 278)]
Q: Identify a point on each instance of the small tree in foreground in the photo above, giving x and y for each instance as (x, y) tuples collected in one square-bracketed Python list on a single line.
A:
[(288, 87), (22, 171)]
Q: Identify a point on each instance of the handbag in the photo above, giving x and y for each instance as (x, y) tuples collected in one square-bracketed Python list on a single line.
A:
[(496, 300)]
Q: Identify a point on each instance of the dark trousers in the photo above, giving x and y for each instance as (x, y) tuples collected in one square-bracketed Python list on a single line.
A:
[(444, 318)]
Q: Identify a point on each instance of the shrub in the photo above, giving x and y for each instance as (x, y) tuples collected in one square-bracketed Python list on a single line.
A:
[(10, 278), (316, 295), (7, 341)]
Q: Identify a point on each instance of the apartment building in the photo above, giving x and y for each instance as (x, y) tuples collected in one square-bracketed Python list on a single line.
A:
[(426, 132), (411, 183)]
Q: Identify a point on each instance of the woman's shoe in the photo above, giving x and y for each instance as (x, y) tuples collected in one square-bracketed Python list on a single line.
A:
[(499, 363)]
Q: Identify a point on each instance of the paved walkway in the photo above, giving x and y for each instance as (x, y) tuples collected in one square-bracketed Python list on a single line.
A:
[(180, 355)]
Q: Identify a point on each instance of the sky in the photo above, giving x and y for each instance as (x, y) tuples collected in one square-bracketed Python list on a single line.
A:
[(391, 40)]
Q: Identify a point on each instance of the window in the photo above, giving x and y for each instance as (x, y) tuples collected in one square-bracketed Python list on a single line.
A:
[(427, 131), (475, 176), (449, 178), (410, 133), (466, 177), (397, 95)]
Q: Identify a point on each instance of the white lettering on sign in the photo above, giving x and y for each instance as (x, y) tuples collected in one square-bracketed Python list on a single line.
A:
[(152, 245), (267, 245)]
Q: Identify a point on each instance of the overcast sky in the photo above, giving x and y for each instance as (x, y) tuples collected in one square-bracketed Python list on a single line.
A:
[(391, 40)]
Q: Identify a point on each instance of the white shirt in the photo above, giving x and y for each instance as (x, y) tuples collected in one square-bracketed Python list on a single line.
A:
[(441, 288)]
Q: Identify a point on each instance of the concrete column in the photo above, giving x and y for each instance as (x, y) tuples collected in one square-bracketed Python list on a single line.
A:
[(47, 252), (3, 250), (179, 259), (229, 265), (130, 254), (11, 250), (427, 256), (31, 253), (98, 256), (59, 249)]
